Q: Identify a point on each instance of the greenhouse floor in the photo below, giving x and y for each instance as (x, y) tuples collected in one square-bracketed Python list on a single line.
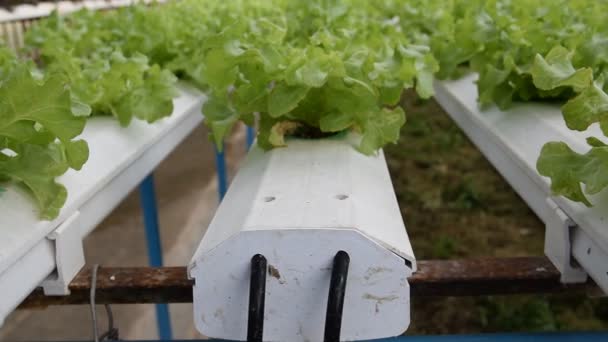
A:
[(187, 197)]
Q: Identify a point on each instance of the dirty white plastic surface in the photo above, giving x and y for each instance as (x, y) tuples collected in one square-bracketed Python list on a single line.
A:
[(512, 141), (119, 159), (298, 206), (43, 9)]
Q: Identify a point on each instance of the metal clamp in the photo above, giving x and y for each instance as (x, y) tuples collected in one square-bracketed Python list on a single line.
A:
[(69, 256), (558, 244)]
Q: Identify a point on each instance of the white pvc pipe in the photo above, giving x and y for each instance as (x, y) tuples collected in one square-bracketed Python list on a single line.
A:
[(299, 206)]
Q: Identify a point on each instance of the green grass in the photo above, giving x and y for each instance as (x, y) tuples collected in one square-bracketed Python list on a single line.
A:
[(456, 205)]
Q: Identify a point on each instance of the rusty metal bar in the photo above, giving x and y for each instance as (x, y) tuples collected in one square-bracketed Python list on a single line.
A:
[(441, 278), (123, 285), (490, 276)]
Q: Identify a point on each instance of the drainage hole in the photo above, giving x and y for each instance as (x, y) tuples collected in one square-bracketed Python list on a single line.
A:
[(341, 197), (269, 199)]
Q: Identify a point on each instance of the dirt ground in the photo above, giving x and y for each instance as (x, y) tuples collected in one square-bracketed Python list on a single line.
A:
[(454, 203)]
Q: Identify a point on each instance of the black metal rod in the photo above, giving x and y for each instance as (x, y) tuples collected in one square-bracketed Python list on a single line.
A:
[(257, 291), (335, 301)]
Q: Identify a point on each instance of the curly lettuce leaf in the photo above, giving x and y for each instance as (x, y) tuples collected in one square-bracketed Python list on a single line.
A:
[(220, 118), (330, 65), (556, 70), (151, 100), (37, 131), (569, 170), (284, 98), (589, 107), (32, 109), (36, 167), (381, 128)]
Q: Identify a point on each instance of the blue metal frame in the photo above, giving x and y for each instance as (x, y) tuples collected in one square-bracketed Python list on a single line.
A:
[(220, 163), (250, 136), (155, 253), (222, 175)]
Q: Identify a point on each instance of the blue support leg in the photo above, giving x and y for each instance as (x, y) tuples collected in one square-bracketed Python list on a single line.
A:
[(155, 253), (250, 136), (220, 164), (222, 176)]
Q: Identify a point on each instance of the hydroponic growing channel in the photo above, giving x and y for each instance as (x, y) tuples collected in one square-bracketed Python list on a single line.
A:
[(90, 103)]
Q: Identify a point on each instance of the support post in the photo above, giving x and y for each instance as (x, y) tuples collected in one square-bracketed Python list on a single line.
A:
[(222, 177), (250, 136), (155, 256)]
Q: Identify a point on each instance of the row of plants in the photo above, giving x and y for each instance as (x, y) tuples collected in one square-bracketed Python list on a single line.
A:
[(322, 65)]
